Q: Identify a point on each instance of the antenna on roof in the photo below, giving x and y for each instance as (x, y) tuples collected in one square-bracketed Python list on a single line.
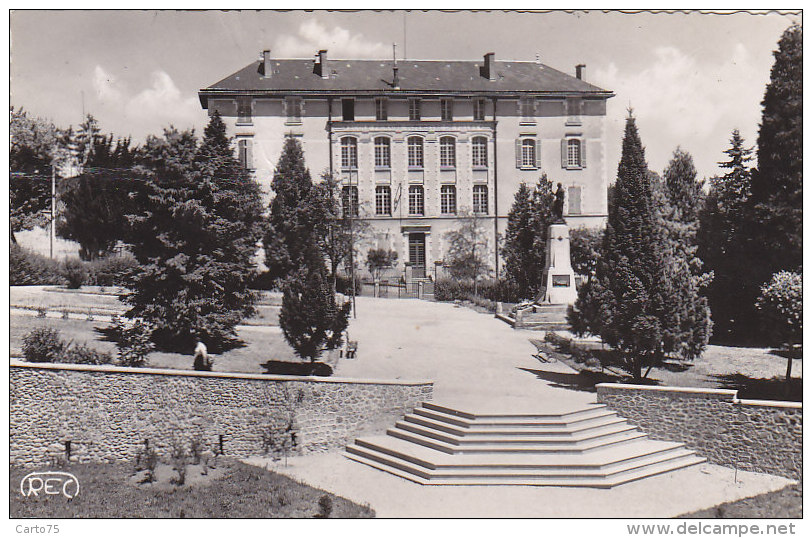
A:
[(395, 77)]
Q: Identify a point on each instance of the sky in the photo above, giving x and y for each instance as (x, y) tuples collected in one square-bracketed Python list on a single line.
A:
[(690, 78)]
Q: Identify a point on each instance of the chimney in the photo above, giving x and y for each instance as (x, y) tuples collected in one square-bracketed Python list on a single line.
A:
[(580, 72), (321, 67), (489, 69), (267, 70), (395, 77)]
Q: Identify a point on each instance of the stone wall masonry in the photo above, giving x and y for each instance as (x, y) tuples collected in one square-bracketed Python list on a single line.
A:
[(753, 435), (107, 412)]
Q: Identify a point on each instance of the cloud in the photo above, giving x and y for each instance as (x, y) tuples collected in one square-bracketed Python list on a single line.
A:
[(688, 101), (142, 111), (341, 43)]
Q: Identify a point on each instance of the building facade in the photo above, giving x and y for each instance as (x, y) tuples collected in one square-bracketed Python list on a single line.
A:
[(420, 145)]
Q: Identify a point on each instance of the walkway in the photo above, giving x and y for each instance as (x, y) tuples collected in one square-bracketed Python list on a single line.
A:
[(479, 363)]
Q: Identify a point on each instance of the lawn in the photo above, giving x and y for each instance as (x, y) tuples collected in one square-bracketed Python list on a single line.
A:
[(785, 503), (232, 490)]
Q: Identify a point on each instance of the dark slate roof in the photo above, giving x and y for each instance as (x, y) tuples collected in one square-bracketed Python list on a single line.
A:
[(416, 76)]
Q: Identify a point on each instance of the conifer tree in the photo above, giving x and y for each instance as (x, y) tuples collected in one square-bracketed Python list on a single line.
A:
[(196, 240), (525, 244), (623, 303)]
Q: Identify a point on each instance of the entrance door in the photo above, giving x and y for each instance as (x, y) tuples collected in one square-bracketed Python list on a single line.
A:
[(417, 254)]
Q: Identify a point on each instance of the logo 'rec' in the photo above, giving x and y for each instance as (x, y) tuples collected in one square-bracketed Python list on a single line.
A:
[(49, 483)]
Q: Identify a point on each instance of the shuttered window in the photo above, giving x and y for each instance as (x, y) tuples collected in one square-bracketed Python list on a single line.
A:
[(573, 153), (528, 153), (245, 153)]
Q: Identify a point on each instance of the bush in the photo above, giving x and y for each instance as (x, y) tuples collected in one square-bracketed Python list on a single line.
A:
[(82, 354), (325, 506), (43, 345), (344, 284), (111, 270), (781, 302), (75, 273), (447, 289), (27, 268), (133, 342)]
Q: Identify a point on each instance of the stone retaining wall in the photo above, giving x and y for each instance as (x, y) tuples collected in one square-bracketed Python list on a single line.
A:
[(754, 435), (108, 412)]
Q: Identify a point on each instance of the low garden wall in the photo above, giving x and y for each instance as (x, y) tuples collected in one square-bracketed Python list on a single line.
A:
[(108, 412), (753, 435)]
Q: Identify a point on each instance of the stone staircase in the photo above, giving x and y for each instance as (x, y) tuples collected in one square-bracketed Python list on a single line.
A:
[(591, 446), (541, 317)]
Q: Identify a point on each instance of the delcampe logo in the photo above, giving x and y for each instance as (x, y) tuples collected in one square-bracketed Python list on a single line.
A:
[(49, 483)]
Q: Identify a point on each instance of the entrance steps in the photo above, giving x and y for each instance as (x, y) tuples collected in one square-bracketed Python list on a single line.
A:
[(590, 446), (542, 317)]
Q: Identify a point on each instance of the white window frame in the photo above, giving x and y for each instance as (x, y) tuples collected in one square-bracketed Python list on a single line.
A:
[(349, 153), (479, 152), (528, 153), (414, 110), (448, 152), (383, 200), (447, 109), (479, 109), (349, 197), (417, 200), (245, 153), (293, 110), (383, 153), (381, 109), (448, 199), (480, 199), (415, 153), (573, 153)]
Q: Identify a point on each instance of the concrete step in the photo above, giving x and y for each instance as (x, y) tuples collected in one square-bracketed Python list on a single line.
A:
[(493, 414), (562, 446), (520, 421), (530, 430)]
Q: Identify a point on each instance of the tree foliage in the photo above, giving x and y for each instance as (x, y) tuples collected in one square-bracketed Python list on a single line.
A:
[(585, 244), (467, 248), (781, 303), (196, 240), (525, 243), (379, 260)]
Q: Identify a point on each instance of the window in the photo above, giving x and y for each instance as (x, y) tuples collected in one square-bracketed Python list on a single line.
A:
[(448, 152), (293, 108), (481, 199), (447, 109), (479, 152), (573, 200), (479, 109), (448, 199), (527, 109), (414, 109), (348, 109), (415, 149), (349, 153), (528, 153), (349, 201), (244, 151), (573, 153), (244, 110), (383, 154), (383, 200), (381, 113), (416, 206)]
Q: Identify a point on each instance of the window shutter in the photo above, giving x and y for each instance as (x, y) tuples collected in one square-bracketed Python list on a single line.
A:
[(518, 153), (249, 154), (538, 153), (583, 153), (563, 153)]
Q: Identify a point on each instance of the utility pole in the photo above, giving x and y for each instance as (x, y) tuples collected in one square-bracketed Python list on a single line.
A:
[(53, 207), (352, 244)]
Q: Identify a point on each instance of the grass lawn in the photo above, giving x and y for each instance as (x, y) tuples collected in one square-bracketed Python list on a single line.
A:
[(785, 503), (263, 345), (236, 490)]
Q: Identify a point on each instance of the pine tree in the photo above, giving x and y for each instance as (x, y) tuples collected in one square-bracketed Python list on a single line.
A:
[(296, 214), (525, 244), (686, 317), (197, 240), (722, 240), (624, 303)]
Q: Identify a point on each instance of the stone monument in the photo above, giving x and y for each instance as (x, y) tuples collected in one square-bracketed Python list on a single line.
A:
[(559, 278)]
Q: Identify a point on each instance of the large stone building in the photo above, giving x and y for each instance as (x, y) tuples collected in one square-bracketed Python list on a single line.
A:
[(419, 144)]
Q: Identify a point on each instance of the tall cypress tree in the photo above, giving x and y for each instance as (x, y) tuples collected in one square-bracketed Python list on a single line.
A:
[(623, 303), (198, 237), (525, 244), (296, 214)]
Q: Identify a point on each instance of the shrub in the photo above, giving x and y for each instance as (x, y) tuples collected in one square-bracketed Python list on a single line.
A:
[(325, 506), (147, 459), (180, 459), (112, 270), (781, 303), (196, 449), (27, 268), (133, 342), (43, 345), (82, 354), (75, 273), (344, 284), (447, 289)]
